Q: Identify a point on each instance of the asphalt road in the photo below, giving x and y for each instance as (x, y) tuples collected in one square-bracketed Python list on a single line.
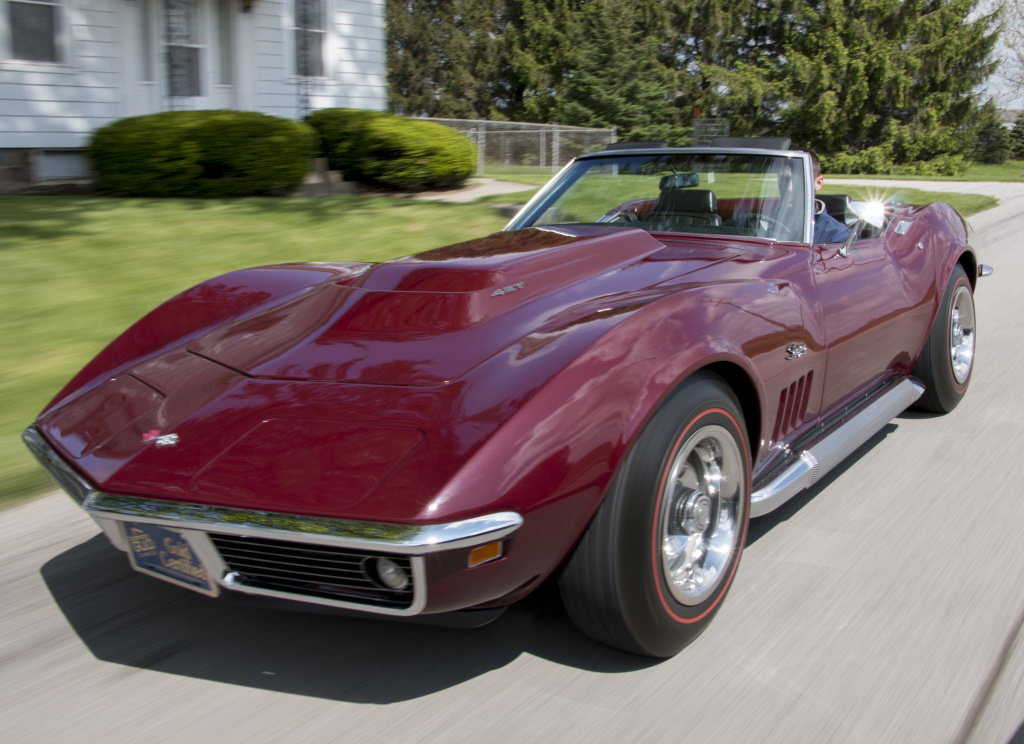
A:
[(885, 605)]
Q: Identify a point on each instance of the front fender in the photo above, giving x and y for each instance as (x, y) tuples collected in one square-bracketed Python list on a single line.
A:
[(555, 457)]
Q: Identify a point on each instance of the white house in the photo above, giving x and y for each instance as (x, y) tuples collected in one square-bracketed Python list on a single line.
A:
[(70, 66)]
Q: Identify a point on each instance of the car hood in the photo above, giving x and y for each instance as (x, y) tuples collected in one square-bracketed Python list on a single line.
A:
[(257, 399), (426, 320)]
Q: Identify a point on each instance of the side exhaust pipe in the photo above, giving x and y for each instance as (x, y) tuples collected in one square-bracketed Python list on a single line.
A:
[(824, 455)]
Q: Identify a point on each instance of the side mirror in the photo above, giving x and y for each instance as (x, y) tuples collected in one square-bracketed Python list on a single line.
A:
[(867, 213), (871, 213)]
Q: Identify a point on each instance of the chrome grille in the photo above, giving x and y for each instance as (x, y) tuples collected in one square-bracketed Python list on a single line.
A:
[(309, 570)]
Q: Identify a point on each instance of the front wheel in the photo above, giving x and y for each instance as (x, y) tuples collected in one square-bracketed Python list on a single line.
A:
[(947, 361), (661, 553)]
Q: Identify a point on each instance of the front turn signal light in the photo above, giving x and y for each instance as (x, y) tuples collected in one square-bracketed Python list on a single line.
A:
[(485, 553)]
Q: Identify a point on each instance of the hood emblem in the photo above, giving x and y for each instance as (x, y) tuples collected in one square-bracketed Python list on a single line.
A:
[(160, 440), (507, 290)]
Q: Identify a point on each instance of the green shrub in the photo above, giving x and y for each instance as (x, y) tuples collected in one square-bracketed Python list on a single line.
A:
[(393, 151), (407, 154), (342, 134), (202, 154), (875, 161)]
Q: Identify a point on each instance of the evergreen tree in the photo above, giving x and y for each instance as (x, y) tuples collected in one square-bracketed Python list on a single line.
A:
[(616, 74), (536, 52), (1017, 138), (719, 50), (893, 76), (875, 81), (442, 56), (991, 138)]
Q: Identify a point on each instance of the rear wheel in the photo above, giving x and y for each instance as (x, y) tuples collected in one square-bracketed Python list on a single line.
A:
[(661, 553), (947, 361)]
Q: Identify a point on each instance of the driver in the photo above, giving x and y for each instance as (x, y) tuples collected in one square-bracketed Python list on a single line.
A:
[(827, 229)]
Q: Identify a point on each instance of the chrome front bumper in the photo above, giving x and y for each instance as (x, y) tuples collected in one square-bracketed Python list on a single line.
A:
[(346, 540)]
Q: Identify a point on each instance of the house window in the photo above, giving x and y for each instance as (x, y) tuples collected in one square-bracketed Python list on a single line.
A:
[(145, 43), (34, 28), (182, 48), (225, 31), (310, 31)]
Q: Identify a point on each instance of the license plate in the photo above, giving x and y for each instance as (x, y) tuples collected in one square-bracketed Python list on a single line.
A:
[(166, 554)]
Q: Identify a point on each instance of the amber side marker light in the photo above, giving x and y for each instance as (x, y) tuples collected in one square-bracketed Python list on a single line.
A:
[(484, 553)]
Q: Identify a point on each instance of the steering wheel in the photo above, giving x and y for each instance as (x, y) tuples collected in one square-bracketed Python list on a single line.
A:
[(764, 225), (624, 216)]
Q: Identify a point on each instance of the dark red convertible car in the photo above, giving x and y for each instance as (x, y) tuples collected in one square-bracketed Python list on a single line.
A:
[(651, 353)]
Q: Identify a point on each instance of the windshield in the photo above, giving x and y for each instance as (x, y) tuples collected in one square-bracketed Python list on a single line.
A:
[(704, 192)]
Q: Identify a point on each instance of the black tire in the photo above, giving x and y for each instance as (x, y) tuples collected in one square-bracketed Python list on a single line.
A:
[(946, 363), (619, 586)]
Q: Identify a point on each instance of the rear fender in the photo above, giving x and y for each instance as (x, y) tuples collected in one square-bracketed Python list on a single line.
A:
[(941, 231), (950, 229)]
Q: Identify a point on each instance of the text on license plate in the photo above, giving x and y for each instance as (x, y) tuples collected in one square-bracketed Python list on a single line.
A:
[(168, 555)]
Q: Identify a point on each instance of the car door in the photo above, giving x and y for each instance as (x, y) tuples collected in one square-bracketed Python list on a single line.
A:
[(876, 305)]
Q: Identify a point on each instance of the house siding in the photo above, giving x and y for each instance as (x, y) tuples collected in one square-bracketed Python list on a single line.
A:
[(57, 105), (354, 60), (46, 106)]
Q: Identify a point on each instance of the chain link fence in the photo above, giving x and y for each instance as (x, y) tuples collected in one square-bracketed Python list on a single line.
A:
[(508, 148), (705, 129)]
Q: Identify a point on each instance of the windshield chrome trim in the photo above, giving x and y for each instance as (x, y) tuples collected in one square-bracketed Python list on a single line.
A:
[(696, 150), (539, 196)]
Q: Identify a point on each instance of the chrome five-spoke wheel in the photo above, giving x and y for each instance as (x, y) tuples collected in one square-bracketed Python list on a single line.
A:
[(961, 333), (699, 527)]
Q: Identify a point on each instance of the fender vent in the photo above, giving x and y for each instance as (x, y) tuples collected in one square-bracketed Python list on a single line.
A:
[(792, 407)]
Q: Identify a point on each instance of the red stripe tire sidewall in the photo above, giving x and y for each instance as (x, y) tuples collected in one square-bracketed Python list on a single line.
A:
[(961, 281), (681, 613)]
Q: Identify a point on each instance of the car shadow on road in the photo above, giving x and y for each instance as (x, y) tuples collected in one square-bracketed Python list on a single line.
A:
[(129, 619)]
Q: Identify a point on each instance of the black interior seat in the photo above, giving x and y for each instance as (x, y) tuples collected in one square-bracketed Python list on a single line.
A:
[(685, 207), (835, 205)]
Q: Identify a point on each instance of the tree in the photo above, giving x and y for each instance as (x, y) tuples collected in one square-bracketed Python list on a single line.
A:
[(991, 138), (1017, 138), (616, 75), (536, 55), (1011, 46), (890, 75), (442, 56), (886, 82), (723, 51)]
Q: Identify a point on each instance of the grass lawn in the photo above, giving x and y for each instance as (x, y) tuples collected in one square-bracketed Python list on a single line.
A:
[(1011, 170), (76, 271), (967, 204), (531, 174)]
